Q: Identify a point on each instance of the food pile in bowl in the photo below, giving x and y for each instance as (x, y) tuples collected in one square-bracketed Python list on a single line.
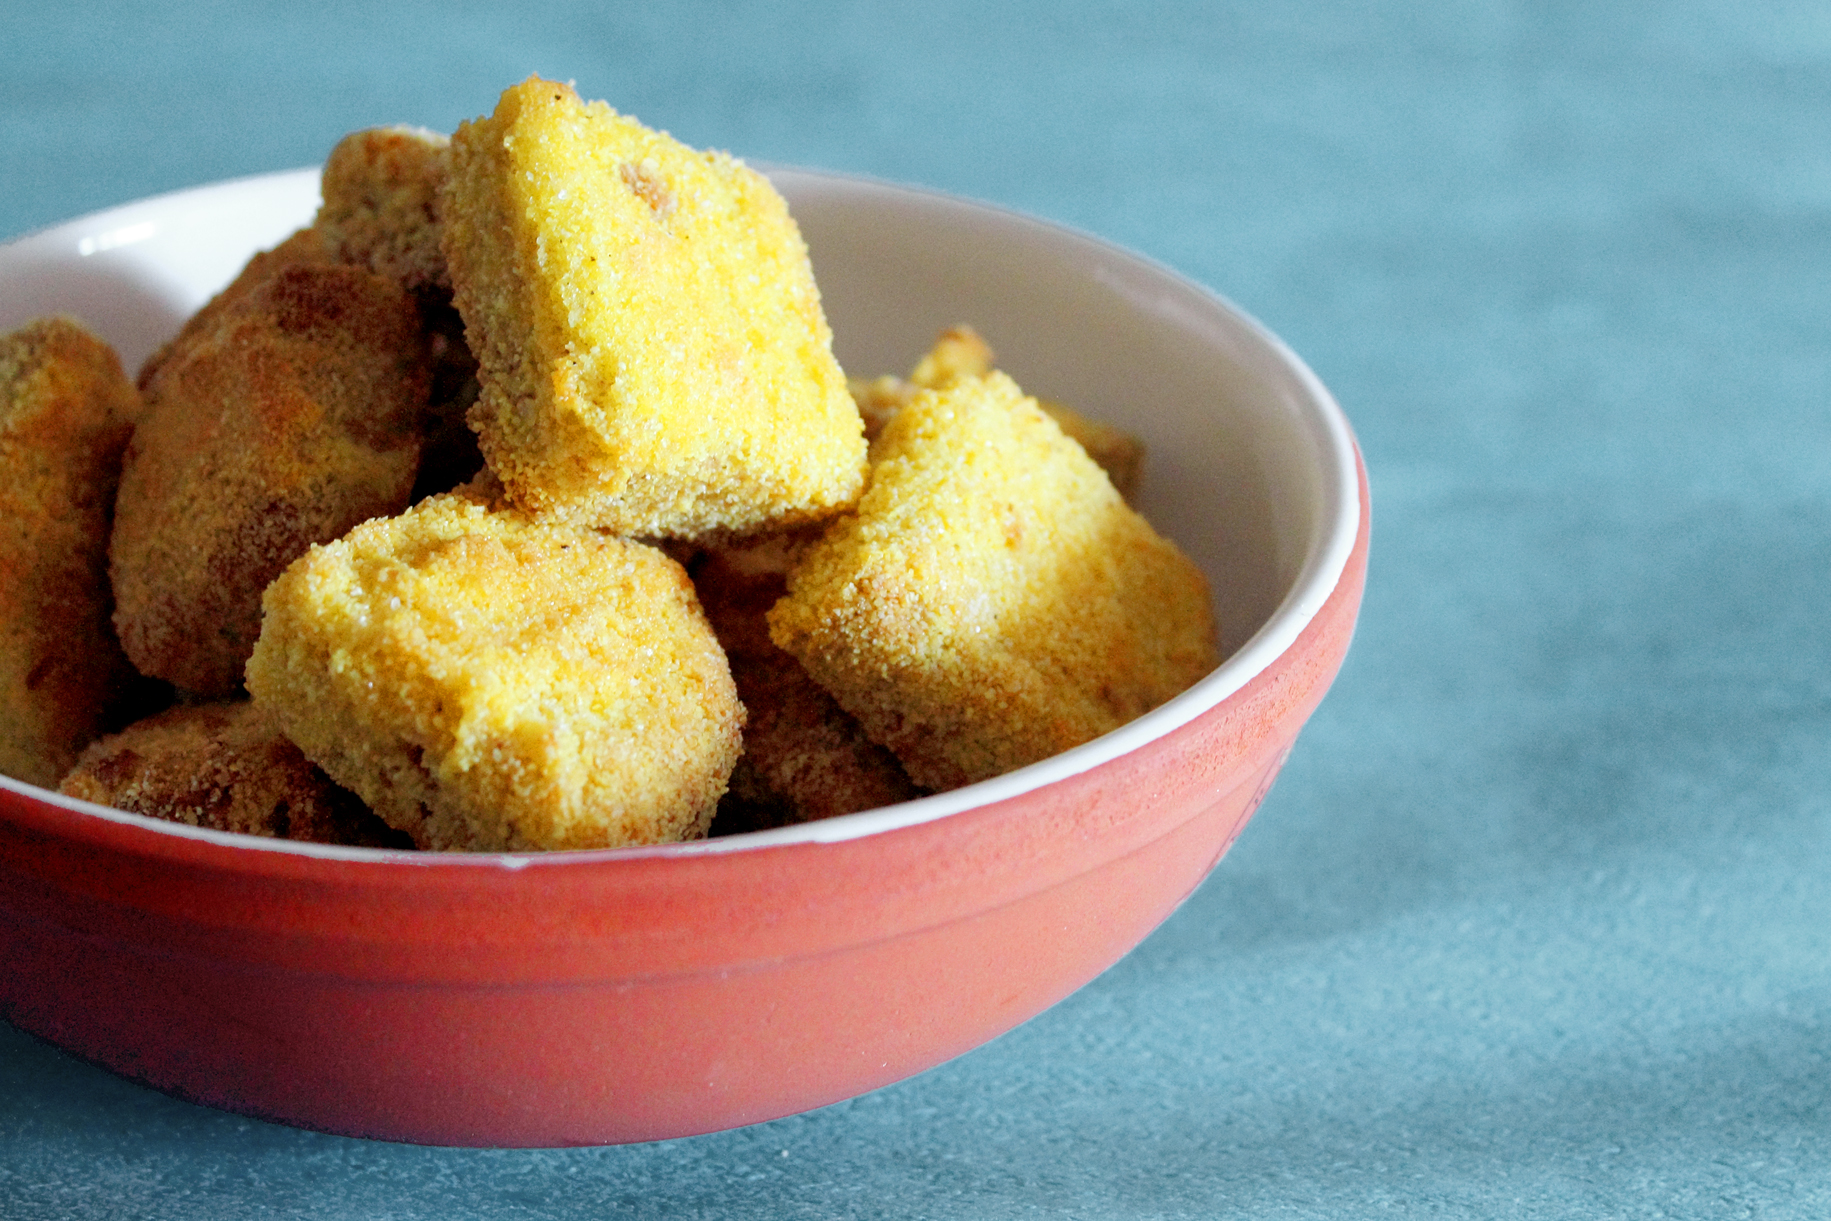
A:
[(519, 503)]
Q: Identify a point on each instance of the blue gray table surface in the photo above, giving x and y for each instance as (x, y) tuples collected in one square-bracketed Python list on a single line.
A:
[(1537, 922)]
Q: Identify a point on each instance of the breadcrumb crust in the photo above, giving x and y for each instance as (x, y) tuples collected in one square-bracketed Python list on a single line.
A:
[(381, 189), (489, 681), (66, 412), (654, 359), (992, 601), (223, 766), (805, 757), (293, 417), (961, 352)]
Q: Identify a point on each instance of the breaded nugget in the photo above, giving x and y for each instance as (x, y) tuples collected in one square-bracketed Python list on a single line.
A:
[(960, 353), (488, 680), (293, 418), (381, 190), (804, 757), (992, 601), (66, 411), (226, 767), (304, 248), (654, 359)]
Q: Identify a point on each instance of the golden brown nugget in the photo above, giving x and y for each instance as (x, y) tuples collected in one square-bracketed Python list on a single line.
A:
[(295, 417), (224, 766), (381, 190), (304, 248), (805, 757), (654, 359), (960, 353), (491, 681), (992, 601), (66, 411)]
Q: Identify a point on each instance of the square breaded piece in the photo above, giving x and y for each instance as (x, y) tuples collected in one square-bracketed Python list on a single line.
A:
[(489, 681), (294, 416), (654, 359), (66, 412), (993, 600), (381, 189)]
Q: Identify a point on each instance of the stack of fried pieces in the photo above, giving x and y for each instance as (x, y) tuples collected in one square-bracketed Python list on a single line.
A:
[(402, 521)]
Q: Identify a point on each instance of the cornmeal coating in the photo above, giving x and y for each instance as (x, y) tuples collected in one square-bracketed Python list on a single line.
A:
[(381, 190), (805, 757), (654, 359), (66, 411), (491, 681), (291, 420), (993, 600), (961, 352), (224, 766)]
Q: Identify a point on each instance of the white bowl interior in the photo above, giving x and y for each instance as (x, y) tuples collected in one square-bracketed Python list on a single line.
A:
[(1250, 465)]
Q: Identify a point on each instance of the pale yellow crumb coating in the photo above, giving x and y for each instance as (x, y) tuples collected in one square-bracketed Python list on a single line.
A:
[(654, 358), (992, 601), (66, 412), (489, 681), (1117, 452)]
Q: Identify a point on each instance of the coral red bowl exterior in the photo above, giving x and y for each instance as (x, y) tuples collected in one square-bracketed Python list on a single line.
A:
[(584, 998)]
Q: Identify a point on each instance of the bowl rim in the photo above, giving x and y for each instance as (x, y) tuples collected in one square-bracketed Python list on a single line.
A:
[(1332, 540)]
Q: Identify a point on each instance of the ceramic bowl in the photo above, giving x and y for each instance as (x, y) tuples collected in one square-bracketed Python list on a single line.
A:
[(609, 996)]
